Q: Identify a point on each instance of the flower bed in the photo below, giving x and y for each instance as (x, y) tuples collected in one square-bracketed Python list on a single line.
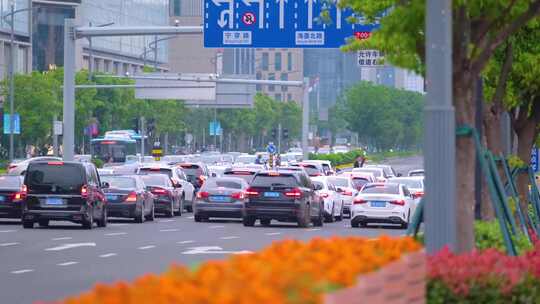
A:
[(488, 276), (285, 272)]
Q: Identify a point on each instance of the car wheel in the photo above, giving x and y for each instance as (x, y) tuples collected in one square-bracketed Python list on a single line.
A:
[(319, 221), (266, 222), (88, 223), (139, 218), (248, 221), (330, 218), (354, 224), (152, 216), (198, 218), (303, 222), (28, 224), (363, 224), (170, 212), (339, 218), (189, 208), (104, 219), (180, 207), (43, 223), (405, 225)]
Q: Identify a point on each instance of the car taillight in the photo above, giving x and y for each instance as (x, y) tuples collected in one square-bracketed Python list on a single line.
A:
[(347, 193), (201, 179), (398, 202), (55, 163), (238, 196), (359, 201), (131, 198), (12, 167), (316, 174), (19, 196), (202, 194), (295, 192), (324, 195), (250, 192), (418, 194), (159, 191), (84, 191)]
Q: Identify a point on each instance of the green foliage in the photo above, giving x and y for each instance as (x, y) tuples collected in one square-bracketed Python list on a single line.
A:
[(338, 158), (515, 162), (383, 117), (98, 162), (488, 235)]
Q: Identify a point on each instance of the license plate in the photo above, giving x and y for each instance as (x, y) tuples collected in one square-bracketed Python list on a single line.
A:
[(112, 197), (220, 199), (378, 204), (271, 194), (54, 201)]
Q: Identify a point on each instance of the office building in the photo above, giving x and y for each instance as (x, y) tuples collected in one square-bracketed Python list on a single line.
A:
[(22, 56), (280, 64), (116, 55), (394, 77)]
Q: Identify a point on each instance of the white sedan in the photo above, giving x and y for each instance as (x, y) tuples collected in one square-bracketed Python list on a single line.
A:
[(387, 203), (345, 188), (332, 202), (379, 173)]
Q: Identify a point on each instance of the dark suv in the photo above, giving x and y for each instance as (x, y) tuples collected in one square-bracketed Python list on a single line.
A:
[(197, 174), (285, 196), (63, 191)]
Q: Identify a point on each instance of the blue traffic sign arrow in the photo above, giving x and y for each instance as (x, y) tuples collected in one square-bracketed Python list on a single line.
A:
[(278, 24)]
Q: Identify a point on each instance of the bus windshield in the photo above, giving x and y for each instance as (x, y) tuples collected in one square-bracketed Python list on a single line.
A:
[(113, 151)]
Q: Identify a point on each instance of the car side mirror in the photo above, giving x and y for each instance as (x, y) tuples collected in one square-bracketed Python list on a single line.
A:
[(105, 185)]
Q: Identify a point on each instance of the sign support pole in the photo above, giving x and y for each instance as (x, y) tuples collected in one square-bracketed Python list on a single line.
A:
[(440, 131), (305, 119), (69, 90)]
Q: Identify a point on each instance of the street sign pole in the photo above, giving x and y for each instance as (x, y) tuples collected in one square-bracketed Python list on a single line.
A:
[(143, 134), (279, 139), (55, 137), (68, 140), (440, 135), (305, 119)]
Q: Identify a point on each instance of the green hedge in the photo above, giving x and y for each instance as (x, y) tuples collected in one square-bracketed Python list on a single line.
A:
[(338, 158)]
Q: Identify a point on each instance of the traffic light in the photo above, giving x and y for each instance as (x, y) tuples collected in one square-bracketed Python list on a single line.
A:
[(286, 133), (274, 133)]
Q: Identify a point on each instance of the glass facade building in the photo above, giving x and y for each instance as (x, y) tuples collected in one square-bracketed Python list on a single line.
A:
[(21, 18)]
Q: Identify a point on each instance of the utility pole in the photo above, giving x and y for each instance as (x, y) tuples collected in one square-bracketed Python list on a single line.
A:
[(440, 131), (305, 119), (279, 139), (155, 53), (55, 137), (143, 134), (12, 85), (90, 57)]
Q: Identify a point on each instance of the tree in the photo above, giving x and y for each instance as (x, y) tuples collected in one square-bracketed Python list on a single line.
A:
[(480, 27)]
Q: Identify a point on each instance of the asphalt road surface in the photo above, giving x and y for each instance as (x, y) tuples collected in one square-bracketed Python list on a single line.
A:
[(46, 264), (51, 263)]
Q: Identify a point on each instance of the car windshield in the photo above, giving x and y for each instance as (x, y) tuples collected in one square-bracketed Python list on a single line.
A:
[(410, 183), (339, 182), (156, 180), (265, 180), (311, 170), (214, 183), (359, 182), (10, 182), (147, 171), (119, 182), (61, 178), (376, 172), (192, 171), (381, 189)]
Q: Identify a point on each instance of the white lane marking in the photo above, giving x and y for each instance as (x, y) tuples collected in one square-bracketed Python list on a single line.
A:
[(313, 229), (146, 247), (213, 250), (107, 255), (169, 230), (62, 238), (273, 233), (115, 233), (216, 227), (166, 221), (22, 271), (67, 263), (229, 237), (8, 244), (191, 217), (6, 231), (70, 246), (185, 242)]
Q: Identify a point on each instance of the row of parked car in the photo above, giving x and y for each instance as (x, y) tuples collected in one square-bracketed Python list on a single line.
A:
[(304, 192)]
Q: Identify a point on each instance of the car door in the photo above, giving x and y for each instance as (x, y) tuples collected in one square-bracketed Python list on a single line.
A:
[(187, 186), (94, 191), (409, 199)]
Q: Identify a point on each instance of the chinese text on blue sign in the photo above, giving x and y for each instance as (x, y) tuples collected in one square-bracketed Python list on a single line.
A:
[(535, 158), (16, 125), (278, 24)]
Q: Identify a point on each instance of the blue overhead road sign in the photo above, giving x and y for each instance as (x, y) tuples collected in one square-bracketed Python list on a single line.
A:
[(535, 158), (277, 24)]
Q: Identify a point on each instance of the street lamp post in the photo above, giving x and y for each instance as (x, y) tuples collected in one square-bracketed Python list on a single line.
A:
[(11, 84)]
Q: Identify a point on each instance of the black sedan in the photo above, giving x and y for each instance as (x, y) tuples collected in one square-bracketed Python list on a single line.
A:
[(127, 197), (12, 193)]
